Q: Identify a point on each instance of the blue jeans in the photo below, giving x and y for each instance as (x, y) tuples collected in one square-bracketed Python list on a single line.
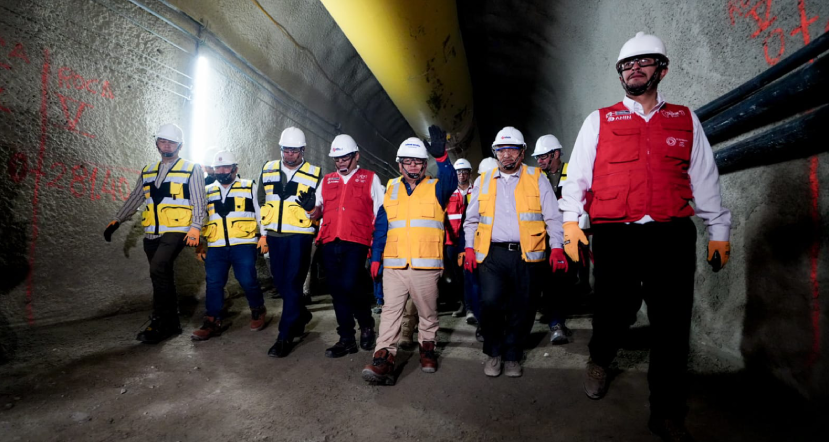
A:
[(344, 262), (290, 259), (217, 265), (472, 293)]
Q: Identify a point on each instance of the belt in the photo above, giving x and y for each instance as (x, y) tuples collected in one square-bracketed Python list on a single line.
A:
[(511, 246)]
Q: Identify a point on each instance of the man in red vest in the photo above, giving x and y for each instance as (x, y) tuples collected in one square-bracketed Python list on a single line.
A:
[(348, 202), (455, 209), (645, 161)]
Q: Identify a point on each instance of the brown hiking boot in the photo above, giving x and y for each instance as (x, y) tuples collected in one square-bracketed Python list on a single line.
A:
[(257, 318), (381, 369), (211, 327), (428, 358), (595, 380)]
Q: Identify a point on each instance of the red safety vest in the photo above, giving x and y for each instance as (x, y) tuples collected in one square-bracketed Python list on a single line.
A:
[(454, 213), (641, 167), (347, 208)]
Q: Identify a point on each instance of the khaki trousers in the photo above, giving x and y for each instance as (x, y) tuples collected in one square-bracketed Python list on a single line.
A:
[(398, 285)]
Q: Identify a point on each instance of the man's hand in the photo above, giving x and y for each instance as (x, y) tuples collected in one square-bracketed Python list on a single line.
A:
[(437, 145), (201, 252), (375, 270), (718, 254), (192, 237), (461, 256), (307, 200), (111, 228), (572, 237), (558, 261), (470, 263), (262, 245)]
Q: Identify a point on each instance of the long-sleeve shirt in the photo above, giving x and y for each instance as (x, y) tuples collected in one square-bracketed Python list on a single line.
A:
[(447, 183), (254, 187), (377, 192), (197, 200), (705, 178), (505, 227)]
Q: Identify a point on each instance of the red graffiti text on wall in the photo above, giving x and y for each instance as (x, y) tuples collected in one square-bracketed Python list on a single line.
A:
[(17, 51), (765, 25)]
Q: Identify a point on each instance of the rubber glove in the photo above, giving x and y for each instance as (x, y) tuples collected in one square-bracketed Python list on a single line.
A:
[(573, 235), (307, 200), (111, 228), (192, 237), (470, 263), (375, 269), (558, 261), (718, 254), (262, 245), (201, 252), (437, 146)]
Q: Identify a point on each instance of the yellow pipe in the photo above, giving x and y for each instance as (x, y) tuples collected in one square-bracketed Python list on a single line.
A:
[(415, 50)]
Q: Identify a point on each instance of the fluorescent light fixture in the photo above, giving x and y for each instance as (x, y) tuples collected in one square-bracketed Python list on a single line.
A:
[(201, 126)]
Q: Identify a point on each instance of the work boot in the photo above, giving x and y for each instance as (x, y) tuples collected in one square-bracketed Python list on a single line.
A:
[(470, 318), (595, 380), (559, 334), (381, 369), (367, 338), (211, 327), (460, 312), (512, 369), (258, 318), (428, 358), (159, 330), (280, 348), (492, 366), (670, 430), (341, 349)]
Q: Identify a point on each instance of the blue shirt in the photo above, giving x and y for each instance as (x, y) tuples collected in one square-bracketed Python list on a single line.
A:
[(447, 183)]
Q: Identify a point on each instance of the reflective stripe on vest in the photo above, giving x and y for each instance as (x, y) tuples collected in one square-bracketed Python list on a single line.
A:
[(168, 207), (281, 213), (233, 221), (531, 225), (347, 208), (416, 229)]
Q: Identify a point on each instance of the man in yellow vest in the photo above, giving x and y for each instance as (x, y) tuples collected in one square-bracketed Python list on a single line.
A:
[(511, 218), (408, 237), (173, 190), (288, 190), (232, 230)]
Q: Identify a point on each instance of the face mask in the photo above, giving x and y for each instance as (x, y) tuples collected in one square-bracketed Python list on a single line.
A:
[(209, 179), (225, 178)]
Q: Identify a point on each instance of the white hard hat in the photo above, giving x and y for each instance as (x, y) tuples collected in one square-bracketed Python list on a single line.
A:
[(509, 136), (292, 137), (224, 158), (170, 132), (462, 163), (412, 148), (642, 44), (487, 164), (342, 145), (546, 144)]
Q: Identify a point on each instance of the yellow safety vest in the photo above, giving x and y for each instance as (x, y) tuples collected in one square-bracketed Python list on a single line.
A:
[(232, 221), (533, 232), (281, 213), (415, 235), (168, 207)]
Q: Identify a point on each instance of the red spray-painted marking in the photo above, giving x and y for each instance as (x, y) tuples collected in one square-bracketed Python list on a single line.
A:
[(814, 254), (44, 120)]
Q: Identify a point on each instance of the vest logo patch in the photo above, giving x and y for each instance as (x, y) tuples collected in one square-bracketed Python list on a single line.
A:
[(333, 179), (672, 114), (618, 115), (674, 141)]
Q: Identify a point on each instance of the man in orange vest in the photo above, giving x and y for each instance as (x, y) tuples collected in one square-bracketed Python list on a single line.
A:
[(348, 201), (408, 237), (645, 161)]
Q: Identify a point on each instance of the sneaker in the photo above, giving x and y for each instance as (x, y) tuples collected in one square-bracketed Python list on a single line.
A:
[(381, 369), (470, 318), (367, 338), (460, 312), (670, 430), (428, 358), (258, 318), (559, 334), (595, 380), (159, 330), (512, 369), (492, 367), (341, 349), (211, 327)]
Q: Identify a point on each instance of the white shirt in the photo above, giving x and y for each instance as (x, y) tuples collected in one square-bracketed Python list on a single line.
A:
[(705, 178), (254, 188), (377, 191)]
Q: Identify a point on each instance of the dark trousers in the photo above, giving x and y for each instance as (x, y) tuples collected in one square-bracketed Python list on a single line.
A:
[(290, 259), (654, 262), (472, 293), (161, 253), (344, 263), (559, 290), (219, 260), (509, 288), (454, 292)]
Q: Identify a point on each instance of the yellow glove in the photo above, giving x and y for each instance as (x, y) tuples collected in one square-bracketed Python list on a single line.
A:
[(192, 237), (572, 237), (460, 259), (262, 245), (718, 254)]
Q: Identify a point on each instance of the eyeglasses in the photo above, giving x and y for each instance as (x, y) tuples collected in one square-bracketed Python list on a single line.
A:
[(643, 63), (544, 156), (291, 149), (344, 158), (412, 161), (511, 150)]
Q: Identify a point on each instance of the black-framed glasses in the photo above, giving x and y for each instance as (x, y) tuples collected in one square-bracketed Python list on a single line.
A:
[(347, 157), (412, 161), (545, 156), (642, 61)]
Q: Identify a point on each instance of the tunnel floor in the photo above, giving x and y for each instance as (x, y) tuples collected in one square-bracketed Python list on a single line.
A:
[(92, 381)]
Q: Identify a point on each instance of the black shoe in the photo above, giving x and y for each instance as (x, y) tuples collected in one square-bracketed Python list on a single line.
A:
[(280, 349), (341, 349), (367, 338), (670, 430), (159, 330)]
